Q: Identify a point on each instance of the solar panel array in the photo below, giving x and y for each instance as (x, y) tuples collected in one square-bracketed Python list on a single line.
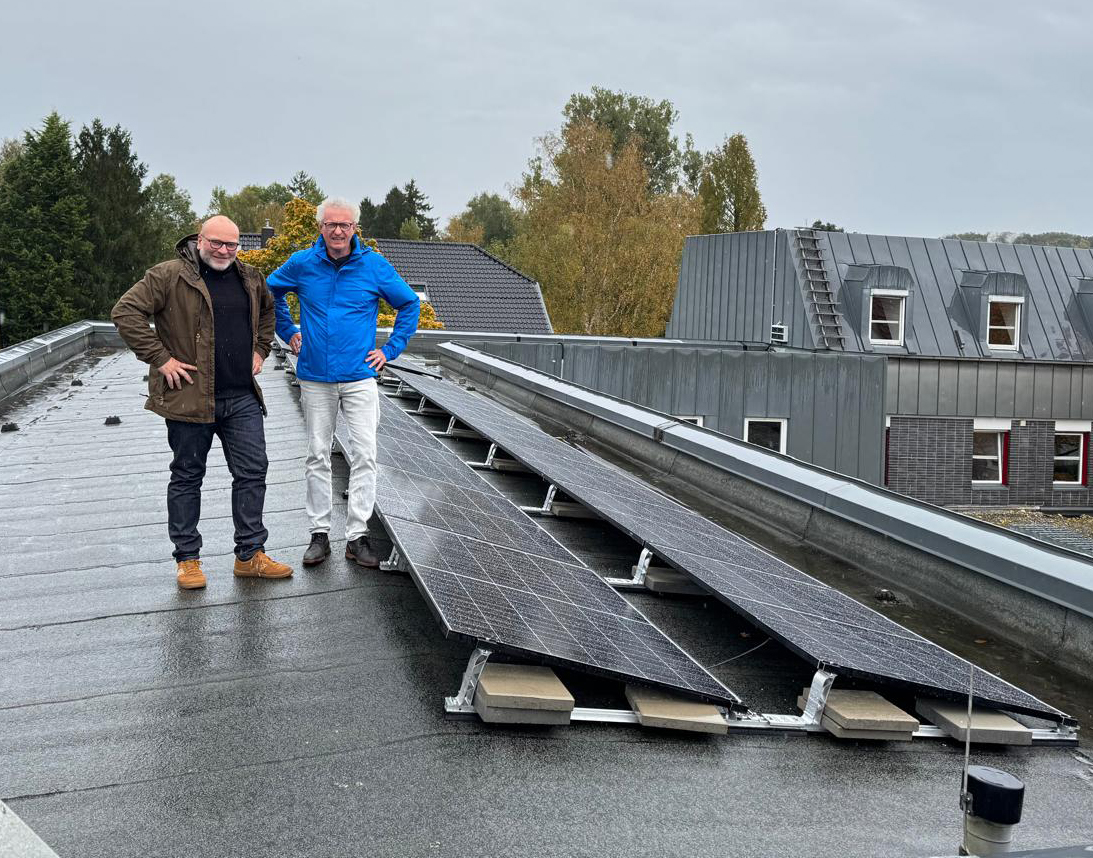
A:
[(814, 620), (492, 575)]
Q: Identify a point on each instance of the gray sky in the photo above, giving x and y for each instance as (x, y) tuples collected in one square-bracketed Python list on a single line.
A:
[(889, 116)]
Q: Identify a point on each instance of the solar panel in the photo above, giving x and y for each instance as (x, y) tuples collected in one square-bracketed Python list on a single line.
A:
[(819, 623), (493, 576), (563, 611)]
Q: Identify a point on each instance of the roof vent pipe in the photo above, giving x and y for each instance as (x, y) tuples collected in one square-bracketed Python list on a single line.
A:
[(992, 809)]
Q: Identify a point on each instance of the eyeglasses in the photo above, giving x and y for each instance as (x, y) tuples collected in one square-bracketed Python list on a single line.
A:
[(335, 225), (215, 244)]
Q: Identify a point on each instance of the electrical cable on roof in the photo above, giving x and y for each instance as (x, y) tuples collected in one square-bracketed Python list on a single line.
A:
[(741, 655)]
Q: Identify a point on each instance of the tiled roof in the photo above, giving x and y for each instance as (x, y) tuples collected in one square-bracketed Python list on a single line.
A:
[(470, 289)]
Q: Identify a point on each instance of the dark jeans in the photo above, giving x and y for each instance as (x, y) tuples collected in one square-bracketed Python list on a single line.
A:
[(239, 426)]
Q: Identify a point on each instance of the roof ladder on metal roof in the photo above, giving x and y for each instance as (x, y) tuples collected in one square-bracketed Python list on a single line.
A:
[(820, 303)]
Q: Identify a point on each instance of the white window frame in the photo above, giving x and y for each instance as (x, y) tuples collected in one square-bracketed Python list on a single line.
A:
[(1000, 440), (888, 293), (694, 419), (419, 289), (1080, 457), (1017, 313), (782, 421)]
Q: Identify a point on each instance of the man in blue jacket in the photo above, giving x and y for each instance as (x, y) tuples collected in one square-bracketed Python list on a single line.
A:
[(339, 283)]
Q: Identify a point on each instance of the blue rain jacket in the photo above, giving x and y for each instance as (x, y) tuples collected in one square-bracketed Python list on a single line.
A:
[(338, 309)]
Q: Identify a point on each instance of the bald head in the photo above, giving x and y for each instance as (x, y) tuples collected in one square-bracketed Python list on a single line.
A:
[(222, 231)]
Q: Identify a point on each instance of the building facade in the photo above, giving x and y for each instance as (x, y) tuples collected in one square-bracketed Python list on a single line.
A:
[(989, 347)]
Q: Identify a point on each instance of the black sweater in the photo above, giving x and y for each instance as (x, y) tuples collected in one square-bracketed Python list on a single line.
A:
[(231, 331)]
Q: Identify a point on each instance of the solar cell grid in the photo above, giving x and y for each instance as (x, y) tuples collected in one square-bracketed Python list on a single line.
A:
[(560, 611), (819, 623), (464, 510)]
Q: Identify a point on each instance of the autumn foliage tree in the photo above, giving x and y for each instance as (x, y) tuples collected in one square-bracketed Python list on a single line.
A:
[(299, 230), (604, 249)]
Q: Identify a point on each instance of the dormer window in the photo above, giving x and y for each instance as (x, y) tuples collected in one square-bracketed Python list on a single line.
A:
[(886, 312), (1004, 322)]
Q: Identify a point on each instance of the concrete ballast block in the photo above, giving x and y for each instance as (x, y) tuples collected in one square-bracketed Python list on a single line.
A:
[(663, 580), (522, 686), (988, 726), (841, 732), (856, 710), (657, 708)]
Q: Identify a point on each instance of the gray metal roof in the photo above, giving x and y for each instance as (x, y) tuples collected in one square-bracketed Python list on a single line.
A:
[(470, 289), (734, 286), (1053, 324)]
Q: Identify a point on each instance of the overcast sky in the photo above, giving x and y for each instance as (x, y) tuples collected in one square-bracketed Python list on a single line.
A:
[(888, 116)]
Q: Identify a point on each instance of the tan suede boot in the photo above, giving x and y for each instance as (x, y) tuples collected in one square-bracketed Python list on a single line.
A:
[(261, 565), (190, 576)]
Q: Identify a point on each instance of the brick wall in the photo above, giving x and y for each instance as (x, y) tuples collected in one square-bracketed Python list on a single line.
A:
[(930, 458)]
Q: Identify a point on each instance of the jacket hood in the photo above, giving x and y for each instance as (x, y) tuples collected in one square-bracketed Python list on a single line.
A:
[(187, 248)]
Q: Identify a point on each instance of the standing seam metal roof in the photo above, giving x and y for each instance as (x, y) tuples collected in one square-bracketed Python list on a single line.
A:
[(1052, 324), (733, 286)]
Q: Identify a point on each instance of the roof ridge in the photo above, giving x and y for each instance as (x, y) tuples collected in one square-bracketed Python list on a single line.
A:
[(485, 252), (477, 247)]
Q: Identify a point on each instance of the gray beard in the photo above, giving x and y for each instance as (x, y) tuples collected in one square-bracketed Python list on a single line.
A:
[(214, 263)]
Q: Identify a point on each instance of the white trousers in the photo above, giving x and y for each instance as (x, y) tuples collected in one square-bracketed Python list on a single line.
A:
[(359, 403)]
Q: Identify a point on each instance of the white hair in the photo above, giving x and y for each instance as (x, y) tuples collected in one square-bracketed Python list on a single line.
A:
[(336, 203)]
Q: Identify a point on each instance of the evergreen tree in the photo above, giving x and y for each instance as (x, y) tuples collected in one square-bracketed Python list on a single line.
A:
[(10, 149), (400, 205), (367, 218), (303, 186), (391, 214), (420, 207), (123, 240), (170, 216), (43, 219), (410, 230), (729, 190)]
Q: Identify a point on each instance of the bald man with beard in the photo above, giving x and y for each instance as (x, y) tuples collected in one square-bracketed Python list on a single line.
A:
[(214, 323)]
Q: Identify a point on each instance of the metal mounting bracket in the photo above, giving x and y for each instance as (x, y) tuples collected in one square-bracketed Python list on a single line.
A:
[(488, 462), (456, 430), (637, 581), (808, 721), (463, 702), (427, 408), (394, 561), (551, 491)]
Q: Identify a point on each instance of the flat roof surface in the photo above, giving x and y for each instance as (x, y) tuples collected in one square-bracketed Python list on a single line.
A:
[(304, 717)]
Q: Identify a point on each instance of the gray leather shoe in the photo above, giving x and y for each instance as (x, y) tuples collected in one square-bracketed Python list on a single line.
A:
[(318, 550), (360, 551)]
